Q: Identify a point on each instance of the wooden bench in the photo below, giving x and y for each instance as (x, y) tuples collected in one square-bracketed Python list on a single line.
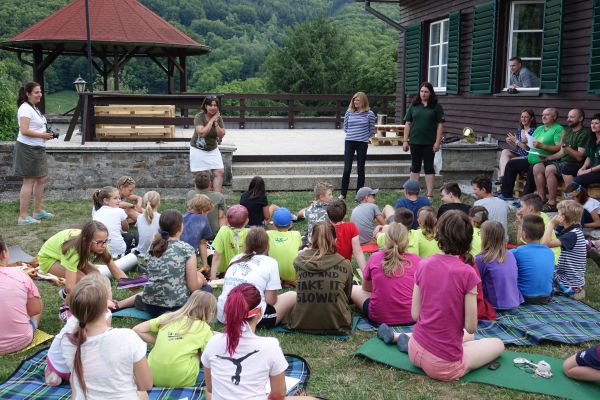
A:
[(382, 139), (137, 110), (520, 187)]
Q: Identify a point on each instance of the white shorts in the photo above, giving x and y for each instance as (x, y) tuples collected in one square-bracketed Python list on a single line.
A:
[(201, 160)]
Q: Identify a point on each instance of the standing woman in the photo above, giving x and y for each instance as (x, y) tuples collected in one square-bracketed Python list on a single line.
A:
[(204, 145), (359, 125), (424, 127), (30, 153)]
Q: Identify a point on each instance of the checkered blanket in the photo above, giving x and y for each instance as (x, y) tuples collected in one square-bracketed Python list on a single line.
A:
[(28, 382), (563, 320)]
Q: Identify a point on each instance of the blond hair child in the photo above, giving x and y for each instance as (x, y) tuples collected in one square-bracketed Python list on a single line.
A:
[(126, 186), (196, 226), (147, 222), (425, 235)]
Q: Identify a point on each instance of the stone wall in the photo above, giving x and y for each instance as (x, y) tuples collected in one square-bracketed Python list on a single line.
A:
[(93, 165)]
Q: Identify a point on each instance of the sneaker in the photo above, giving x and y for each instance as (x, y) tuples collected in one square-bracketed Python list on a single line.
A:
[(126, 283), (63, 293), (578, 293), (594, 255), (402, 343), (549, 208), (51, 378), (64, 312), (385, 333)]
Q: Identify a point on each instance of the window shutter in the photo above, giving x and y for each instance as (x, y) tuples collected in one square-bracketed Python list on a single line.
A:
[(551, 41), (483, 50), (594, 76), (453, 80), (412, 58)]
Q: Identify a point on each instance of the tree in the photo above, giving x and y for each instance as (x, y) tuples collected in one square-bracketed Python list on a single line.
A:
[(315, 58), (8, 107), (377, 75)]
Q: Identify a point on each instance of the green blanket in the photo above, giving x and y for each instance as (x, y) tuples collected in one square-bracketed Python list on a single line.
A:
[(507, 376)]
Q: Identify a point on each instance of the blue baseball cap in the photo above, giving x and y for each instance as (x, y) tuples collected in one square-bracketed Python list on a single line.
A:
[(282, 217)]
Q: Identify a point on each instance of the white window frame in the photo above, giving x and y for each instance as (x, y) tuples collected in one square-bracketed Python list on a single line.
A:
[(439, 62), (510, 40)]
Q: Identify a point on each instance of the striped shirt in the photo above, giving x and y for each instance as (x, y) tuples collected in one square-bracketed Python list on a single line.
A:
[(359, 126), (570, 270)]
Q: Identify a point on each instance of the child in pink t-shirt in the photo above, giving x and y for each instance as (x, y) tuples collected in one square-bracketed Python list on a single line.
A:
[(21, 306), (347, 240), (386, 292), (444, 305)]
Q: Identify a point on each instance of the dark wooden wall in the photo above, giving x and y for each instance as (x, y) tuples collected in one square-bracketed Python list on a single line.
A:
[(494, 113)]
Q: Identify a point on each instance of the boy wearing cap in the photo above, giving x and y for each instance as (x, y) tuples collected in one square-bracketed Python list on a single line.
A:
[(230, 240), (411, 200), (347, 235), (284, 245), (366, 213)]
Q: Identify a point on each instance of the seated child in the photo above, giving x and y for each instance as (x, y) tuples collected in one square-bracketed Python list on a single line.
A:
[(444, 306), (584, 366), (126, 186), (21, 306), (172, 269), (284, 245), (107, 211), (317, 211), (57, 371), (451, 199), (203, 185), (405, 217), (196, 227), (147, 222), (425, 235), (255, 200), (477, 215), (411, 200), (497, 268), (535, 262), (591, 206), (324, 287), (347, 240), (386, 292), (255, 267), (532, 204), (104, 363), (497, 208), (569, 275), (179, 338), (230, 240), (366, 214)]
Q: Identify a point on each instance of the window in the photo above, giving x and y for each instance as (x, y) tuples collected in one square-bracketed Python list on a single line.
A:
[(438, 54), (525, 35)]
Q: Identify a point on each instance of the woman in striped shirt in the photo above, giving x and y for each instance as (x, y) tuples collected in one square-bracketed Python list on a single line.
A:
[(359, 125)]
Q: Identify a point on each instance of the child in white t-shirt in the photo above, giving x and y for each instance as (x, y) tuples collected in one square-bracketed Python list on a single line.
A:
[(107, 211), (103, 362), (147, 222)]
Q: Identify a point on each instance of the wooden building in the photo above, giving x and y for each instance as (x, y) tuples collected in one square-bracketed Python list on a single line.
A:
[(463, 48)]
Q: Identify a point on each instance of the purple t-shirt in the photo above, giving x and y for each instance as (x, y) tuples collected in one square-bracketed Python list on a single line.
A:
[(444, 281), (500, 281), (391, 298), (196, 227)]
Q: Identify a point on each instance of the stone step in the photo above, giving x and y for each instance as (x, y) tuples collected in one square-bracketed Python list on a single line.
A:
[(317, 168), (302, 182)]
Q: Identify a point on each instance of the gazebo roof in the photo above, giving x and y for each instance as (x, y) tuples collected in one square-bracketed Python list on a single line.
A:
[(114, 25)]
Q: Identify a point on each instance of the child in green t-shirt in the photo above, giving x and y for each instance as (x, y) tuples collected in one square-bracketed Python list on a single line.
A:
[(178, 337), (405, 217), (427, 219), (477, 215), (230, 240), (284, 245)]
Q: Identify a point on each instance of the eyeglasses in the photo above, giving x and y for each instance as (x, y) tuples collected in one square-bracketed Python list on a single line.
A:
[(100, 242)]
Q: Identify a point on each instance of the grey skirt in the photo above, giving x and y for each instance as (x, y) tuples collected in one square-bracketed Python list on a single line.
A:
[(30, 161)]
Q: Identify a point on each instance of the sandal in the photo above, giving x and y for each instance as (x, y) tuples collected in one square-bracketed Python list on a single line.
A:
[(28, 221), (549, 208), (43, 215), (430, 198)]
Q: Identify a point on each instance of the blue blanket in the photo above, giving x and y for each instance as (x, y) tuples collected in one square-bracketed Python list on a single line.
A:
[(563, 320), (28, 382)]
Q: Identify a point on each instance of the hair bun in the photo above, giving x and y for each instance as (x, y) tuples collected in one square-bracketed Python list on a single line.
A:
[(164, 235)]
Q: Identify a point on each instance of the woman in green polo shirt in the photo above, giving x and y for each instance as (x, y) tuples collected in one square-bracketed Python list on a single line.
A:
[(424, 126), (589, 173)]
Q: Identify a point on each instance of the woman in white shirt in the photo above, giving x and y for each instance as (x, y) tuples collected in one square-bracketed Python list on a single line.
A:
[(30, 154)]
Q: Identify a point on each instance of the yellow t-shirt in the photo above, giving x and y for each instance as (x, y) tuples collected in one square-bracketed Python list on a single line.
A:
[(174, 359), (413, 241), (283, 247), (229, 242), (427, 247), (476, 242), (51, 251)]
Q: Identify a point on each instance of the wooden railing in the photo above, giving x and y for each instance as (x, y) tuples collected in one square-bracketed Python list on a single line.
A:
[(238, 109)]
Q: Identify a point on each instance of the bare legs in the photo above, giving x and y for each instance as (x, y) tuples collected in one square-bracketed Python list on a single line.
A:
[(218, 179), (505, 157), (285, 302), (359, 296), (551, 183), (35, 187), (429, 181), (575, 371), (540, 180)]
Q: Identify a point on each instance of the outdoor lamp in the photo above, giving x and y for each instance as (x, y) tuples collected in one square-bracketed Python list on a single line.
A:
[(79, 84)]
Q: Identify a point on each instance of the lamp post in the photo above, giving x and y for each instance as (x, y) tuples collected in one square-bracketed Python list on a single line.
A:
[(79, 84)]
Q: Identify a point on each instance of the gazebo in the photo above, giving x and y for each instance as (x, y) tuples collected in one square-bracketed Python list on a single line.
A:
[(120, 30)]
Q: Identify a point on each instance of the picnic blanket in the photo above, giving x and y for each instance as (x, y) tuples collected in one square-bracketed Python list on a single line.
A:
[(283, 329), (39, 337), (507, 376), (563, 320), (27, 382), (17, 254), (132, 312)]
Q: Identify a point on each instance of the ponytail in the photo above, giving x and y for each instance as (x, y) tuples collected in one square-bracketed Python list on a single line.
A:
[(24, 90), (257, 242), (240, 303), (151, 200), (396, 242), (101, 194), (170, 222), (427, 220)]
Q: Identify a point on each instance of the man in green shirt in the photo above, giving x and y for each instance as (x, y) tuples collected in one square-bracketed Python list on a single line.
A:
[(566, 162)]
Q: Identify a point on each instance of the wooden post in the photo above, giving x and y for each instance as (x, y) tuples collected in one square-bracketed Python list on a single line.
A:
[(338, 114), (170, 76), (242, 124), (291, 113), (38, 72), (74, 120)]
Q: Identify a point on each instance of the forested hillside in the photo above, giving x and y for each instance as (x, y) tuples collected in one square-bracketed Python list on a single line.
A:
[(243, 34)]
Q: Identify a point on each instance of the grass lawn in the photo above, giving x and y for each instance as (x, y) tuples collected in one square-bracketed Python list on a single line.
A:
[(61, 102), (335, 372)]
